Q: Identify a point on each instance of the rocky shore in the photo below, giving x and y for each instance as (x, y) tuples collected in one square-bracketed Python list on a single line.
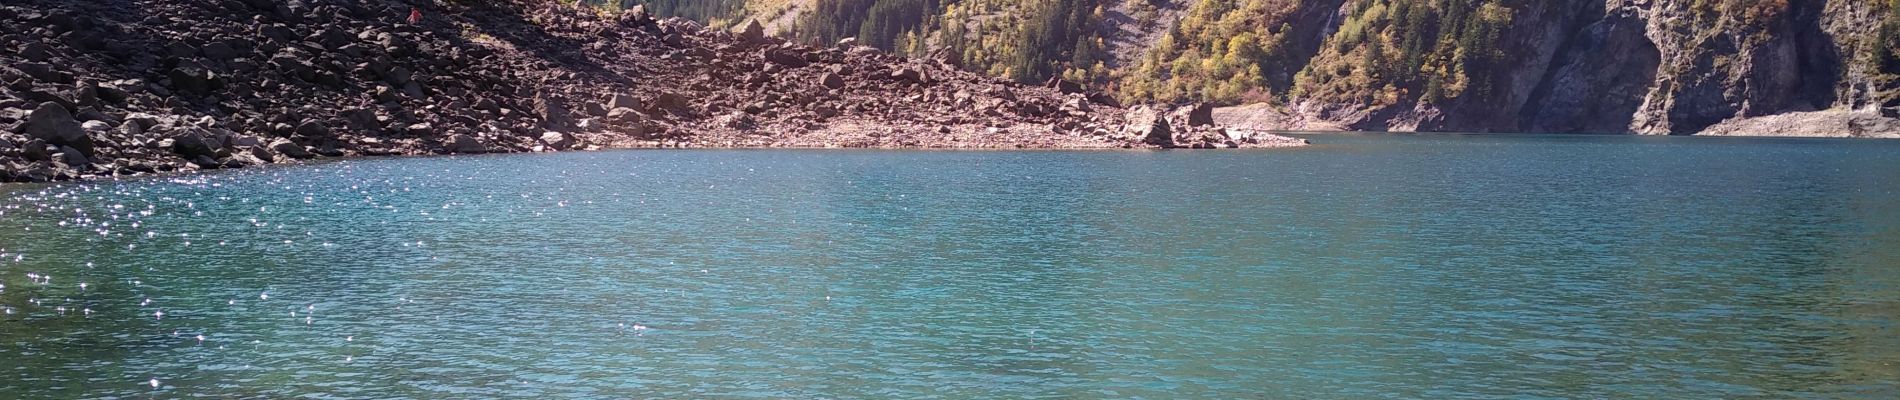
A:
[(1844, 124), (93, 89)]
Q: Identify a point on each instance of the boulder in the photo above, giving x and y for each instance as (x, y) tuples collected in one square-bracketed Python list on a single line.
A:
[(35, 52), (1198, 114), (36, 150), (72, 157), (553, 114), (556, 140), (191, 80), (464, 144), (96, 128), (313, 129), (1064, 86), (753, 32), (623, 100), (43, 72), (290, 149), (191, 143), (54, 124), (363, 118), (907, 74), (1148, 126), (832, 81), (785, 57), (671, 102)]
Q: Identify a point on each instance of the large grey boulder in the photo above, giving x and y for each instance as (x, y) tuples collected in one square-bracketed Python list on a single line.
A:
[(54, 124), (1148, 126)]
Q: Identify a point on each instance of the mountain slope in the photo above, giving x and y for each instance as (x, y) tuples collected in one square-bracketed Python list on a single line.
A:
[(127, 87), (1596, 66)]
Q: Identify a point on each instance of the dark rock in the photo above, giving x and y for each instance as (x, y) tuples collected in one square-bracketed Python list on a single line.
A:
[(72, 157), (832, 80), (52, 123), (86, 94), (36, 150), (192, 143), (786, 57), (35, 52), (464, 144), (1064, 86), (191, 80), (753, 32), (290, 149), (907, 74), (1198, 114), (398, 76), (363, 119), (43, 72), (552, 114), (313, 129), (218, 51)]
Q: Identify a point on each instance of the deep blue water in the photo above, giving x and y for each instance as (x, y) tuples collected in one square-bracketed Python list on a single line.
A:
[(1363, 267)]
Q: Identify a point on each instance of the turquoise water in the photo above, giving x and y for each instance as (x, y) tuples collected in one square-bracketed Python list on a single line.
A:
[(1363, 267)]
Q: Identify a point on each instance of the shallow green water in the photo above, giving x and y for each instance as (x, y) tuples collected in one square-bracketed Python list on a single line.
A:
[(1364, 267)]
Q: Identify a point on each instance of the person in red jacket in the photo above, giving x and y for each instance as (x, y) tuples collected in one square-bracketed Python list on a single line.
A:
[(415, 15)]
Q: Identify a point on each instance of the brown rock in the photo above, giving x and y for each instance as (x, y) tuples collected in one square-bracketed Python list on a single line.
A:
[(753, 32), (622, 100)]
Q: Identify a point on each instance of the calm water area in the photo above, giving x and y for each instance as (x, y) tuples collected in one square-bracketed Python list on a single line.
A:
[(1365, 266)]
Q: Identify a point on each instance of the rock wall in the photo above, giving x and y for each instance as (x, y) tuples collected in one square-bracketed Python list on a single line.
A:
[(1641, 66)]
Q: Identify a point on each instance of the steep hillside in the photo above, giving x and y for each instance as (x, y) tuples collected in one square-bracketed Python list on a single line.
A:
[(127, 87), (1596, 66)]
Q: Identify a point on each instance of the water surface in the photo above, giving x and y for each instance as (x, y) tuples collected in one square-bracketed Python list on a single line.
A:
[(1363, 267)]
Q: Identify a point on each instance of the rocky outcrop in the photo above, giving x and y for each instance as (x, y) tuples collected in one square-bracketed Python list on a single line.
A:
[(1845, 124), (90, 89), (1647, 67)]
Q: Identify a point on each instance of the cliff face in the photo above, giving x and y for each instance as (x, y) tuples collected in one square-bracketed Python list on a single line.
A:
[(1579, 66), (1648, 67)]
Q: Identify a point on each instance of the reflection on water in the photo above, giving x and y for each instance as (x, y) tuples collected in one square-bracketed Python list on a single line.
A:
[(1376, 266)]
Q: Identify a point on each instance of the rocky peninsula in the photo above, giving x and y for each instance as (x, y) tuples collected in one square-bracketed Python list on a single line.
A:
[(97, 89)]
